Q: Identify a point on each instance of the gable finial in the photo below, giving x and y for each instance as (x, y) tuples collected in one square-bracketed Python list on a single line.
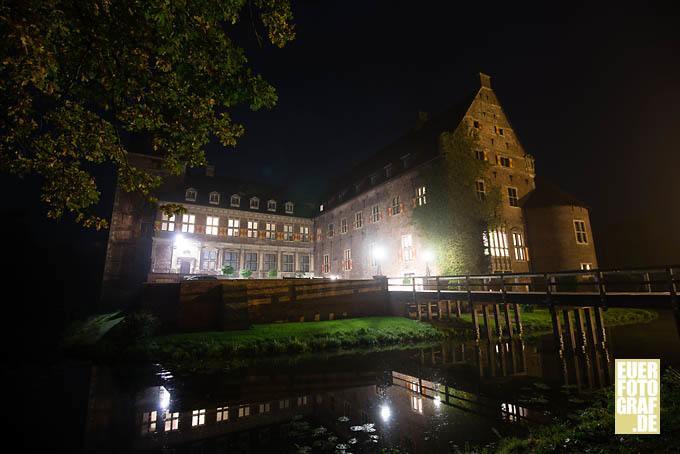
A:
[(485, 80)]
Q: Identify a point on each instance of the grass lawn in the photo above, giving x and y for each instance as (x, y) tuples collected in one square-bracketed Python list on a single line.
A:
[(275, 338), (538, 321)]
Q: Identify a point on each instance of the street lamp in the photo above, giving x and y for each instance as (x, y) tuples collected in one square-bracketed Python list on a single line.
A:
[(428, 255), (378, 256)]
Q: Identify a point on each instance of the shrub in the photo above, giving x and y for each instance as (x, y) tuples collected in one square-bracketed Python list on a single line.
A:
[(135, 327), (228, 270), (273, 273), (246, 274)]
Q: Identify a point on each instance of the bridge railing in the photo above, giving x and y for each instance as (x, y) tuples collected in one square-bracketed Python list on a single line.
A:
[(659, 280)]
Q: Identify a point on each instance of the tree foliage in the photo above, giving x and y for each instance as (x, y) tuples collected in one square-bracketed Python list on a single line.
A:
[(454, 218), (78, 78)]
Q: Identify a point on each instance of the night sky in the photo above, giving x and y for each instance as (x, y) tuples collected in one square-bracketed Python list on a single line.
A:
[(592, 92)]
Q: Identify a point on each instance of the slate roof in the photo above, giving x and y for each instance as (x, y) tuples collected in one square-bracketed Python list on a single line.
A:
[(174, 190), (548, 194), (421, 143)]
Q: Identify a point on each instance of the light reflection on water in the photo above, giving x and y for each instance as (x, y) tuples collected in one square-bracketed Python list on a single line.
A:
[(421, 400)]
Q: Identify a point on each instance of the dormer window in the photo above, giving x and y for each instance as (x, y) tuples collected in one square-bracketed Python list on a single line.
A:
[(215, 198), (235, 200), (190, 195), (271, 205), (254, 203), (290, 206), (405, 160), (388, 170)]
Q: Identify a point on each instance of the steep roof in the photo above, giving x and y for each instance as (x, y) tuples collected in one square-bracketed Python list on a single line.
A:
[(174, 190), (421, 143), (548, 194)]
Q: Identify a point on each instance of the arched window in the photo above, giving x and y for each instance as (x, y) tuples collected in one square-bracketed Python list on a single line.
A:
[(190, 195), (254, 203), (215, 198), (289, 207), (235, 200), (271, 205)]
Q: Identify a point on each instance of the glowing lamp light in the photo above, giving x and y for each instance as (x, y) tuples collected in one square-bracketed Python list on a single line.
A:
[(437, 401), (385, 413), (163, 398), (379, 253), (428, 255)]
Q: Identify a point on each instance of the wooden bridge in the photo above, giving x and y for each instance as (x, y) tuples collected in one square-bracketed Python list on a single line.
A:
[(584, 292)]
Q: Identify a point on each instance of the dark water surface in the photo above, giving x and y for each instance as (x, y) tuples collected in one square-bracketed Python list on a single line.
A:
[(420, 400)]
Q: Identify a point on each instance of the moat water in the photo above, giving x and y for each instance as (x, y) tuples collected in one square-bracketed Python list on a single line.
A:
[(435, 399)]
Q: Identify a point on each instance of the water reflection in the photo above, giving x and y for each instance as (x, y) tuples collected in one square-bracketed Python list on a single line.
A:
[(421, 400)]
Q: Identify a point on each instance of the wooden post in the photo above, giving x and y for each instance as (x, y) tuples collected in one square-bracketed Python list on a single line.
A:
[(497, 321), (420, 315), (648, 283), (599, 278), (458, 314), (439, 292), (557, 328), (508, 322), (429, 311), (580, 330), (413, 281), (518, 319), (475, 321), (449, 312), (590, 327), (487, 325), (599, 323), (569, 328)]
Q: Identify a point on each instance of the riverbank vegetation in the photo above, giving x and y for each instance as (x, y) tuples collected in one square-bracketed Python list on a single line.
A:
[(592, 429), (537, 321), (131, 339)]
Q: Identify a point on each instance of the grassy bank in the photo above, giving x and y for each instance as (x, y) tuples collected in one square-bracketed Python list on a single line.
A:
[(538, 322), (276, 338), (592, 430)]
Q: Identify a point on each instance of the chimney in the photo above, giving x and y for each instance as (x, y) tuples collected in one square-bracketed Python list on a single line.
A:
[(209, 171), (485, 80)]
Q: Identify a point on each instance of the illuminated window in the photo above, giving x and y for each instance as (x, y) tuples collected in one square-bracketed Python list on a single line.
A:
[(321, 207), (498, 243), (331, 230), (190, 195), (326, 264), (269, 262), (480, 188), (407, 248), (171, 421), (586, 266), (251, 261), (347, 259), (302, 400), (235, 200), (375, 213), (270, 231), (188, 223), (288, 232), (243, 411), (265, 408), (580, 229), (304, 263), (512, 197), (304, 233), (222, 414), (290, 206), (358, 219), (252, 229), (343, 225), (288, 262), (198, 417), (209, 259), (149, 421), (212, 224), (233, 227), (254, 203), (520, 248), (214, 198), (396, 205), (271, 205), (421, 198), (285, 403), (168, 222)]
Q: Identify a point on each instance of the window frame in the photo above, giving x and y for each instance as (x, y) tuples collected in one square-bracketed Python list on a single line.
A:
[(511, 198), (188, 198), (210, 198), (578, 233), (254, 203), (235, 201), (271, 205)]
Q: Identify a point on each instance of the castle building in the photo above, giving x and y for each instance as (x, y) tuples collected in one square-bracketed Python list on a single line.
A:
[(363, 228)]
